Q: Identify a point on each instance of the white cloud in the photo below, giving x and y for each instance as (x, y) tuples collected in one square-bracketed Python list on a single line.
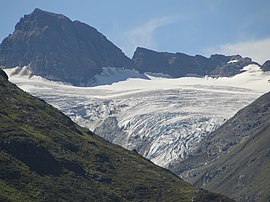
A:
[(144, 35), (258, 50)]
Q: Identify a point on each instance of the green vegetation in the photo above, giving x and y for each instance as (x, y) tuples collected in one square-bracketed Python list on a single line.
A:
[(44, 156)]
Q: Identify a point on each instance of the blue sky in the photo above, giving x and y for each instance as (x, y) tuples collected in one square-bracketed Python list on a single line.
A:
[(189, 26)]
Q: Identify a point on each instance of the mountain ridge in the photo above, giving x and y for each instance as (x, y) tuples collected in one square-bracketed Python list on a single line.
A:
[(180, 64), (54, 47)]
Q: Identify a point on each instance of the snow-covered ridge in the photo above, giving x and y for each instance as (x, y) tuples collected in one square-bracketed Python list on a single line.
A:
[(162, 118)]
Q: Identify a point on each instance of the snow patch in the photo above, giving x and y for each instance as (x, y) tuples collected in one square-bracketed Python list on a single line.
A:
[(232, 61), (157, 75), (252, 68)]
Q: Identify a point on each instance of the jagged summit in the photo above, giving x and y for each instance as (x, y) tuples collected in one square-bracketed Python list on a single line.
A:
[(180, 64), (40, 19), (266, 66), (38, 11), (54, 47)]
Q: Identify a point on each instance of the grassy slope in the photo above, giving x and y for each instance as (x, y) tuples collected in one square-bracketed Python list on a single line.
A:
[(44, 156)]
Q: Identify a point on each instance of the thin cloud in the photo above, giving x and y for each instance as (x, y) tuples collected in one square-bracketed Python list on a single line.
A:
[(144, 34), (258, 50)]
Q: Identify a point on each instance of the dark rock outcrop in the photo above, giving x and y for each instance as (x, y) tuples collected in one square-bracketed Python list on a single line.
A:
[(3, 74), (179, 64), (266, 66), (54, 47)]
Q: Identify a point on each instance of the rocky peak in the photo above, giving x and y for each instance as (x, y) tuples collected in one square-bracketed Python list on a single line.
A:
[(40, 19), (54, 47), (266, 66), (229, 65)]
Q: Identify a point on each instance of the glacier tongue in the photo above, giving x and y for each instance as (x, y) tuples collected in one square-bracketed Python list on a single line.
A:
[(163, 119), (165, 125)]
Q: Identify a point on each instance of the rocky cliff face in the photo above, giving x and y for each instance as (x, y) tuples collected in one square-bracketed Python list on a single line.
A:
[(54, 47), (179, 64), (266, 66)]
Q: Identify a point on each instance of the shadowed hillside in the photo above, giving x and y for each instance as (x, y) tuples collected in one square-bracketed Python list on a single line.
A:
[(235, 159)]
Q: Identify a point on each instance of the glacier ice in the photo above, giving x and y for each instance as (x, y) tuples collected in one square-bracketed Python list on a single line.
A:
[(162, 118)]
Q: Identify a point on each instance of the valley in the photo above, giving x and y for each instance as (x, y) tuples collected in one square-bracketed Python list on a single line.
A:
[(203, 117), (163, 119)]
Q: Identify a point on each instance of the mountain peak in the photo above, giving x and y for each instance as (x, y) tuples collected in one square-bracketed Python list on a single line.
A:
[(42, 13), (266, 66), (39, 12), (39, 18), (54, 47)]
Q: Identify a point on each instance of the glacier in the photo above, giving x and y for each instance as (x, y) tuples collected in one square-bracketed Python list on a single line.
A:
[(163, 119)]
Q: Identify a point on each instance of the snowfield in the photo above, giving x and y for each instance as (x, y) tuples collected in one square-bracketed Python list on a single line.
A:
[(162, 118)]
